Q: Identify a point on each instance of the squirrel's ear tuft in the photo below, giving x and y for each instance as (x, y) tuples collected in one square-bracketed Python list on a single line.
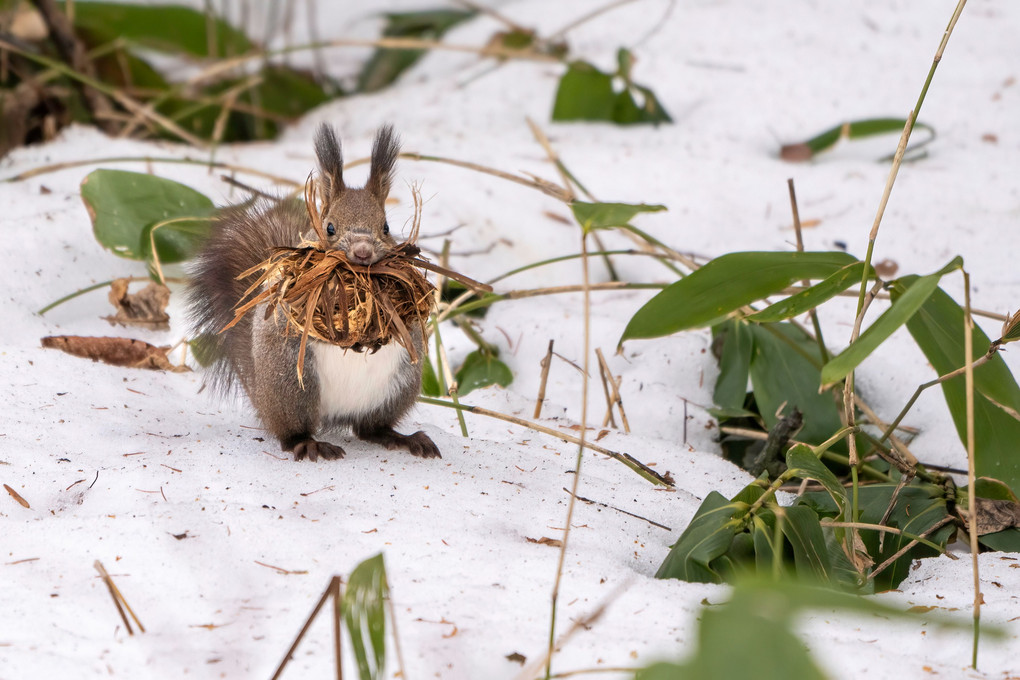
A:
[(384, 156), (331, 161)]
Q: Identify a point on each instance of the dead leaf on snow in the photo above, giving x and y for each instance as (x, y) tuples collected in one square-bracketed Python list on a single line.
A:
[(516, 657), (126, 352), (146, 308), (17, 496), (554, 542), (993, 515)]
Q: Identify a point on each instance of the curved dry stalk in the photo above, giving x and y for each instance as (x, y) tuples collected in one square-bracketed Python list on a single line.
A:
[(219, 165), (625, 458), (226, 65)]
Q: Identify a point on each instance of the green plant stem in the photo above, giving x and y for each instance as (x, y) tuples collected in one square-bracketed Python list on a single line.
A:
[(827, 444), (476, 337), (71, 296), (492, 298), (625, 458), (873, 473), (442, 365), (573, 256)]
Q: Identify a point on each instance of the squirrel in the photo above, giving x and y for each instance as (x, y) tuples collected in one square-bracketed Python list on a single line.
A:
[(367, 392)]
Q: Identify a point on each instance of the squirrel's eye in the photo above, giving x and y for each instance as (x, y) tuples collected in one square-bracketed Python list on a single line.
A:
[(386, 227), (330, 229)]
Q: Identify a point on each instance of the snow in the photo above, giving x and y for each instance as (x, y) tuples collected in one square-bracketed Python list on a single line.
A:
[(222, 545)]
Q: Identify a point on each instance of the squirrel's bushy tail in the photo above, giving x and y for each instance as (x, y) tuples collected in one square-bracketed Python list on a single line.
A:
[(241, 237)]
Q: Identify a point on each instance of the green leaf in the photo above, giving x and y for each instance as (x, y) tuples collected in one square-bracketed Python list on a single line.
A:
[(763, 534), (206, 349), (607, 215), (858, 129), (803, 463), (810, 554), (734, 365), (918, 508), (650, 111), (364, 612), (782, 375), (707, 537), (125, 206), (482, 369), (584, 93), (807, 300), (165, 28), (176, 239), (902, 309), (753, 634), (287, 92), (725, 284), (386, 65), (991, 488), (937, 328), (429, 381), (1002, 541)]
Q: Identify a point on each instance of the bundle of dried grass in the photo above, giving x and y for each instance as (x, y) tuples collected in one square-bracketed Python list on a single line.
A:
[(324, 296)]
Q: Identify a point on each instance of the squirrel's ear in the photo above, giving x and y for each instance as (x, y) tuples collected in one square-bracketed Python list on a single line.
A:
[(331, 161), (384, 155)]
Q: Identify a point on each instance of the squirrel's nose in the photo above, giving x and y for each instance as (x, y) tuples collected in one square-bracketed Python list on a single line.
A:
[(362, 252)]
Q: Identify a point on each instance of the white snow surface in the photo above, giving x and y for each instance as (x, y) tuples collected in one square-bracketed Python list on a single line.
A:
[(222, 545)]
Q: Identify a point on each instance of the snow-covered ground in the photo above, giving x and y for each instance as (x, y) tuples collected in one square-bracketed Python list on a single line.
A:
[(222, 545)]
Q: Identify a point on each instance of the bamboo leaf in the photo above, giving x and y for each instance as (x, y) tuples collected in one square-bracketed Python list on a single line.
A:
[(707, 537), (364, 613), (429, 381), (807, 300), (783, 377), (858, 129), (725, 284), (386, 65), (166, 28), (902, 309), (804, 534), (803, 463), (734, 366), (593, 216), (937, 328)]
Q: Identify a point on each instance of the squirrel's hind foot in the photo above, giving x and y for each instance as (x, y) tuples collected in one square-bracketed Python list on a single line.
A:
[(418, 444)]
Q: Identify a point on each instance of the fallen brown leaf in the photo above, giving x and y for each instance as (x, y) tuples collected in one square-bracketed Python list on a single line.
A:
[(554, 542), (146, 308), (993, 515), (126, 352), (17, 496)]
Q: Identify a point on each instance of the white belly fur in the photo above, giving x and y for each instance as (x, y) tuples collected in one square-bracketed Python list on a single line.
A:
[(351, 382)]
